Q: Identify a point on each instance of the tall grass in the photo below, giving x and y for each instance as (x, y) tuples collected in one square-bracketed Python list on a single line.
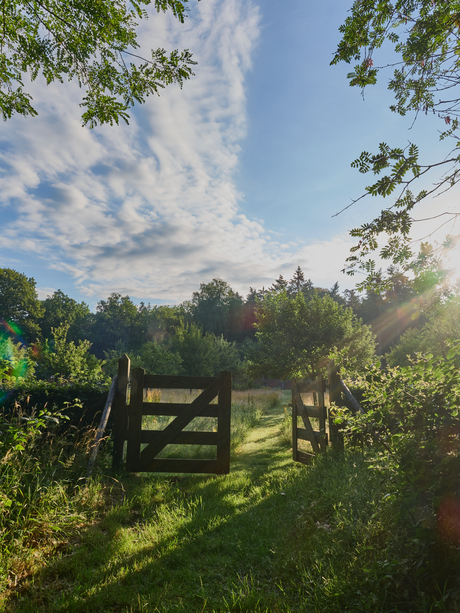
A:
[(44, 493), (272, 536), (247, 409)]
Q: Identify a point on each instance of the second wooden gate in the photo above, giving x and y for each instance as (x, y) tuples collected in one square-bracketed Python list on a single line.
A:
[(318, 410)]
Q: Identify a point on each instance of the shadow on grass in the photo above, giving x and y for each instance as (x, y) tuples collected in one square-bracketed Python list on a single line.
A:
[(273, 536), (197, 543)]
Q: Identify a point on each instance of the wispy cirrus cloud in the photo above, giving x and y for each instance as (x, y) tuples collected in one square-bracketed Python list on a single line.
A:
[(150, 209)]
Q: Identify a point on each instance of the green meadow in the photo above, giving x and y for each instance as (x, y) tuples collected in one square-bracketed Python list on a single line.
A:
[(272, 535)]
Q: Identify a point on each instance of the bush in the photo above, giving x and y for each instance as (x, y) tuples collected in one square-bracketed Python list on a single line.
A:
[(412, 429), (83, 403)]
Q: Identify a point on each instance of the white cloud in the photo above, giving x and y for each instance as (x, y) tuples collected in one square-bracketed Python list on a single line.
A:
[(151, 209)]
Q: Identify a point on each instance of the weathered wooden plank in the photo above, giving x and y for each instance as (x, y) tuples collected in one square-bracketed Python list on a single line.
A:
[(306, 421), (322, 414), (133, 447), (174, 409), (183, 438), (305, 458), (335, 396), (294, 420), (355, 404), (120, 411), (178, 465), (179, 423), (312, 411), (178, 382), (305, 435), (102, 425), (223, 422)]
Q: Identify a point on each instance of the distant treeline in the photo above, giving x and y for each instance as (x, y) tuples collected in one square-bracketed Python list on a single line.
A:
[(216, 329)]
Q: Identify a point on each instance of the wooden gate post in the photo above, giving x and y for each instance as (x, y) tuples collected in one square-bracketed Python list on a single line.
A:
[(322, 413), (335, 396), (295, 452), (223, 422), (133, 447), (120, 411)]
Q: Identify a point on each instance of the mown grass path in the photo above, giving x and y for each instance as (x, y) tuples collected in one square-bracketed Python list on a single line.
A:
[(263, 446), (273, 536), (194, 543)]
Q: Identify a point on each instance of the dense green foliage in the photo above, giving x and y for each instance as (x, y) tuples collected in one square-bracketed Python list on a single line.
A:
[(442, 324), (19, 304), (217, 309), (424, 38), (297, 325), (92, 43), (296, 335), (411, 432), (213, 331), (59, 310)]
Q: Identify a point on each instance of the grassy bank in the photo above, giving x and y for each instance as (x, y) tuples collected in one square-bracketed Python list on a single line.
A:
[(272, 536)]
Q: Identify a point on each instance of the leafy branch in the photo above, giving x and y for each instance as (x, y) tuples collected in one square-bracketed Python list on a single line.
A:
[(425, 34), (86, 41)]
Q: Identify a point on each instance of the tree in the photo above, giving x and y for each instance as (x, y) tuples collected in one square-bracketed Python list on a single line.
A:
[(217, 309), (298, 284), (204, 354), (156, 323), (279, 285), (442, 326), (91, 42), (59, 309), (424, 35), (66, 360), (115, 322), (296, 335), (335, 295), (157, 359), (19, 304)]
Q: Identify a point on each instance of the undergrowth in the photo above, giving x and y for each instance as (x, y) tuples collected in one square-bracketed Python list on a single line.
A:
[(272, 536)]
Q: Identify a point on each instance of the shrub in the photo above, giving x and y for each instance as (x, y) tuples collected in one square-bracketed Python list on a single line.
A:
[(83, 403), (412, 428)]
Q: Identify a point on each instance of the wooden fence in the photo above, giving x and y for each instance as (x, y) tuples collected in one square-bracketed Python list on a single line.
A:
[(328, 432), (144, 446), (317, 438)]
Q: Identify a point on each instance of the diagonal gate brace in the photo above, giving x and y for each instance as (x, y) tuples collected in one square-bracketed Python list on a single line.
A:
[(178, 424), (306, 421)]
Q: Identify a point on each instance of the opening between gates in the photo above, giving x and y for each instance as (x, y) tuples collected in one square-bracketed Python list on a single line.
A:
[(137, 401)]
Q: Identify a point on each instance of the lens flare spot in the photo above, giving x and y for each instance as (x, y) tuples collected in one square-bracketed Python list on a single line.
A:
[(14, 355), (449, 519)]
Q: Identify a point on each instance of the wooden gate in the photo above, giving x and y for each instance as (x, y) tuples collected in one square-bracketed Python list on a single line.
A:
[(318, 410), (144, 446)]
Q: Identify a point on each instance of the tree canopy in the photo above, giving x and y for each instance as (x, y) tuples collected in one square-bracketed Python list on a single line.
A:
[(94, 42), (216, 308), (425, 38), (60, 309), (295, 335), (19, 303)]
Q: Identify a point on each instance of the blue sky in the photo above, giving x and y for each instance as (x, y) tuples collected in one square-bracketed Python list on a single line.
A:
[(237, 175)]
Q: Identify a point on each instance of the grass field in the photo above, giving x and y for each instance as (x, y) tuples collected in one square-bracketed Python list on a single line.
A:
[(272, 536)]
